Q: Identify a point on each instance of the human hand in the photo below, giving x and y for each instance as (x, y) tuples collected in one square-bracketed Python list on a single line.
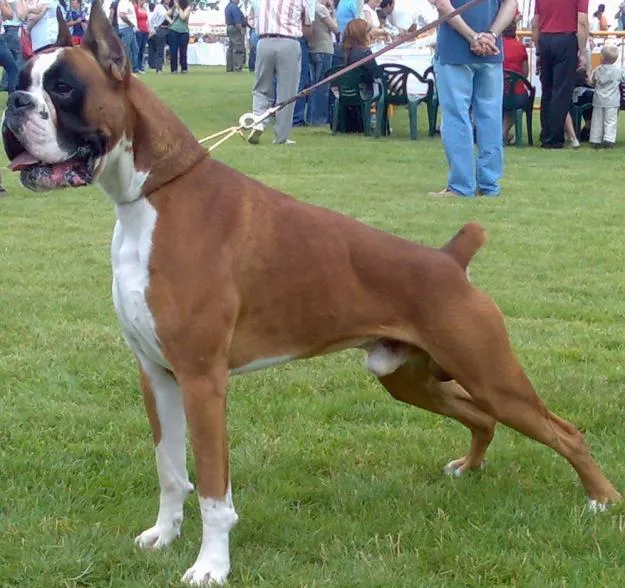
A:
[(484, 44)]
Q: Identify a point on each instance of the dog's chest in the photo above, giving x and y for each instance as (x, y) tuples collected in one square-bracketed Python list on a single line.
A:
[(130, 253)]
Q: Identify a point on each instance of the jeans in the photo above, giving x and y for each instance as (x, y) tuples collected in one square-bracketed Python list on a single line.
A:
[(299, 116), (12, 36), (127, 36), (558, 61), (317, 113), (178, 43), (9, 65), (142, 40), (472, 90), (251, 64)]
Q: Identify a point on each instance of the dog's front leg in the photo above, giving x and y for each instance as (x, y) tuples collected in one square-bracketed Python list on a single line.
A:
[(163, 402), (205, 406)]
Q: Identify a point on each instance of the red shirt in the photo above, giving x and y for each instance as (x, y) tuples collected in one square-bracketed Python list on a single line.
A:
[(142, 19), (559, 16), (514, 55)]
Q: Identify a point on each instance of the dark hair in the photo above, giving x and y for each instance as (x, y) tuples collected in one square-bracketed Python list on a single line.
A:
[(600, 10), (356, 35), (183, 4), (386, 3), (381, 14)]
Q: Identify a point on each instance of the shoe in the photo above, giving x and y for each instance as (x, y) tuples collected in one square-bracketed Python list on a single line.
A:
[(254, 136), (575, 143), (287, 142), (607, 144), (447, 192)]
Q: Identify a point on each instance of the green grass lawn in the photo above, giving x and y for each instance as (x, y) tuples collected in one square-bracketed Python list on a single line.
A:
[(335, 483)]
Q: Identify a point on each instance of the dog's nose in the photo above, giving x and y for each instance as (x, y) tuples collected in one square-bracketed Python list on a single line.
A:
[(20, 101)]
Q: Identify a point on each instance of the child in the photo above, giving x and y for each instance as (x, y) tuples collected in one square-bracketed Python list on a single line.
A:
[(606, 78)]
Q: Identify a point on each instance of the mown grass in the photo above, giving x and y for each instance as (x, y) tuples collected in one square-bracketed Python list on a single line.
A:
[(335, 483)]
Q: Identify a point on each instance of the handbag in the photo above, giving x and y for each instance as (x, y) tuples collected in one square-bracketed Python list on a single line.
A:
[(26, 44)]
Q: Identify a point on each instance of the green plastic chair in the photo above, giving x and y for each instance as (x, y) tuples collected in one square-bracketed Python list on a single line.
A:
[(577, 112), (519, 104), (348, 92), (432, 104), (395, 78)]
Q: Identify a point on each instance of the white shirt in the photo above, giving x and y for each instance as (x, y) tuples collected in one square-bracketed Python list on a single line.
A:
[(282, 17), (607, 80), (157, 16), (410, 12), (127, 8), (46, 29), (371, 16)]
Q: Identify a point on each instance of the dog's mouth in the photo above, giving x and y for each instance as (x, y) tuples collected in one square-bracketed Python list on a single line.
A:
[(77, 170)]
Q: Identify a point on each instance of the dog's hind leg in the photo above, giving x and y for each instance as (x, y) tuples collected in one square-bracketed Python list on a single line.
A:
[(163, 403), (478, 355), (412, 383)]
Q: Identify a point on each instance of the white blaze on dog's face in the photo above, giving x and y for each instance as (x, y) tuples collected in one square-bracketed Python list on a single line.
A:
[(66, 115)]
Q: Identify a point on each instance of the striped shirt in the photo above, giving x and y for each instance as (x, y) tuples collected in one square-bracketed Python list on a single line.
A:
[(282, 17)]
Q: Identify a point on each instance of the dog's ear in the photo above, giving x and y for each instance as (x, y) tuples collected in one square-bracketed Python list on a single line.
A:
[(64, 38), (104, 44)]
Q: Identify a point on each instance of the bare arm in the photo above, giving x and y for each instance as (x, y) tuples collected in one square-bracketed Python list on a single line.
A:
[(5, 10), (444, 7), (505, 16), (535, 30), (582, 33), (331, 24)]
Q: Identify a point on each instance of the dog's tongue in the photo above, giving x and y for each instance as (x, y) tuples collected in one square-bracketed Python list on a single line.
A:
[(22, 161)]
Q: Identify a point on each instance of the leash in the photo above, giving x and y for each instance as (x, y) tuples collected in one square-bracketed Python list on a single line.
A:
[(249, 120)]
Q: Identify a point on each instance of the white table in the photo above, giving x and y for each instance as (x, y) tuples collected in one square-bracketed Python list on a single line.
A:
[(206, 54), (416, 58)]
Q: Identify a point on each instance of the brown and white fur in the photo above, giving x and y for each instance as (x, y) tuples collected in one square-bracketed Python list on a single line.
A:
[(216, 274)]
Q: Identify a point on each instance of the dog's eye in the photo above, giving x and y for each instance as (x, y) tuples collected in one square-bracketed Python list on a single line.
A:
[(62, 89)]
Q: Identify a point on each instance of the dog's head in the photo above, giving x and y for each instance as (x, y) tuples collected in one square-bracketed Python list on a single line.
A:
[(69, 111)]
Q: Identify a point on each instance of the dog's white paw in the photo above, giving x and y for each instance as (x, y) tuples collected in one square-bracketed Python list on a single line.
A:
[(457, 467), (206, 574), (594, 506), (157, 537)]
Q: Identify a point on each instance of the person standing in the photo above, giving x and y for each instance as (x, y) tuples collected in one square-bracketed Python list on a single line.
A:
[(179, 35), (11, 34), (281, 24), (469, 78), (159, 28), (324, 29), (560, 32), (235, 29), (127, 25), (142, 33)]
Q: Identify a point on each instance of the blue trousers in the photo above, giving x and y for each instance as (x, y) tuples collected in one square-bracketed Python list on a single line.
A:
[(317, 113), (8, 63), (466, 92), (127, 36), (299, 116)]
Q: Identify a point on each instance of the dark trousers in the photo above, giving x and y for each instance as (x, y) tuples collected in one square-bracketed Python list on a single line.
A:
[(558, 62), (178, 43), (235, 54), (156, 49)]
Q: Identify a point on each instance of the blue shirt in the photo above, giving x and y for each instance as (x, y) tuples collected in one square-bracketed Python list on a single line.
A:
[(453, 49), (347, 10), (77, 30), (234, 16)]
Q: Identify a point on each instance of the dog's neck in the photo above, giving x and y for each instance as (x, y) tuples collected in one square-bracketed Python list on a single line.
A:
[(156, 149)]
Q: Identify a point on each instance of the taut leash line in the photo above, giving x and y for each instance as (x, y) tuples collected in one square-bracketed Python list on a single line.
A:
[(249, 120)]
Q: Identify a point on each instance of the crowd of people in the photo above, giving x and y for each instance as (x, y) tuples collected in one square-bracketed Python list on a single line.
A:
[(145, 28)]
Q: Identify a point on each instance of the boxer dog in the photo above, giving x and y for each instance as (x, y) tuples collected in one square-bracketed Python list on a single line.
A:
[(215, 274)]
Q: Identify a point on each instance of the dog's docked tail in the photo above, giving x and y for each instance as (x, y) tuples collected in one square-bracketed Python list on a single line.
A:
[(465, 243)]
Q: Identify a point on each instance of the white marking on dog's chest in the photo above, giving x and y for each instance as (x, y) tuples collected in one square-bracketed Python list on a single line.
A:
[(130, 252)]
